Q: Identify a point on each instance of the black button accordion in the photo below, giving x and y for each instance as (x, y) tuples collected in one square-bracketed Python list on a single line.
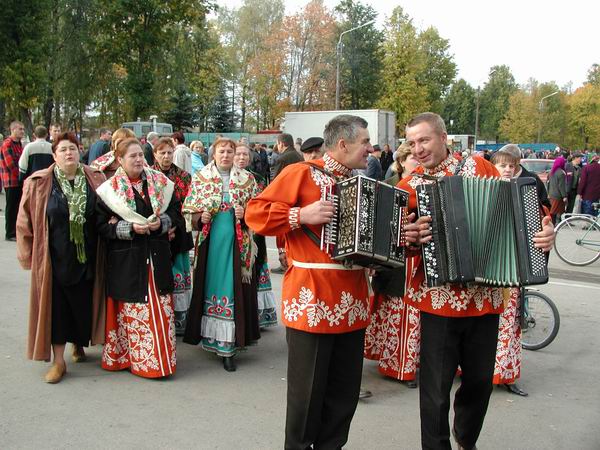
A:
[(368, 225), (483, 231)]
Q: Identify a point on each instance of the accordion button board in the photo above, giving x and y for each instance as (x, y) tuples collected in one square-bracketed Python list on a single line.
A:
[(368, 224), (482, 231)]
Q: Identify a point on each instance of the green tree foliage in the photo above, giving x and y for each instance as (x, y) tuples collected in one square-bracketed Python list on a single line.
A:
[(222, 117), (362, 60), (584, 117), (593, 75), (459, 106), (23, 47), (402, 66), (520, 124), (439, 68), (183, 115), (494, 101), (138, 35)]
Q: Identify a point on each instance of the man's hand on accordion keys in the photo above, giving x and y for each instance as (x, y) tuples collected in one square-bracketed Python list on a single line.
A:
[(545, 239), (317, 213), (417, 232)]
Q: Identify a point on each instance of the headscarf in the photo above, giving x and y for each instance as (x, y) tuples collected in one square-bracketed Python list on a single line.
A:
[(559, 163), (206, 194)]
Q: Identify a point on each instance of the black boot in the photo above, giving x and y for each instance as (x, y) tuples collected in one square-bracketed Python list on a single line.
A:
[(514, 389), (229, 364)]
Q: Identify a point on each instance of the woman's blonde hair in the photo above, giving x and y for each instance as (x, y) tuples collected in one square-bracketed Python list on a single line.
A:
[(119, 135), (402, 152)]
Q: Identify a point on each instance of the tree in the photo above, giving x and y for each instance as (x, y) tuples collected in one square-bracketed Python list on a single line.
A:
[(494, 101), (439, 68), (182, 115), (520, 124), (402, 65), (138, 35), (459, 106), (221, 118), (584, 117), (593, 75), (362, 61), (23, 33), (309, 69)]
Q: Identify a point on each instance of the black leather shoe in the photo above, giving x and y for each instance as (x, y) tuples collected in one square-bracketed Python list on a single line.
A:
[(229, 364), (514, 389), (364, 394), (11, 239), (279, 270), (411, 384)]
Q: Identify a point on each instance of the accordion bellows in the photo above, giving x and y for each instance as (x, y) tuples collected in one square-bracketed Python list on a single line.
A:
[(483, 231), (367, 228)]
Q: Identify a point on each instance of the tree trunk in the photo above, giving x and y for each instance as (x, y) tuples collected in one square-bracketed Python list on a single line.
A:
[(26, 119)]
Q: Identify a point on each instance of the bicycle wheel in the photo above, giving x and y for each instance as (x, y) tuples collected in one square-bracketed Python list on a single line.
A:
[(577, 240), (541, 321)]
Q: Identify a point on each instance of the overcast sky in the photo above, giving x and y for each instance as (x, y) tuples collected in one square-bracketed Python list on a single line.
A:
[(548, 40)]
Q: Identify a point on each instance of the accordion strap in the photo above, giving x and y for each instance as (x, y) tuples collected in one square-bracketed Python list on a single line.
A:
[(312, 235)]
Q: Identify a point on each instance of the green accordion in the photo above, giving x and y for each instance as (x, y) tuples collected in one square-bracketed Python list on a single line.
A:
[(483, 231)]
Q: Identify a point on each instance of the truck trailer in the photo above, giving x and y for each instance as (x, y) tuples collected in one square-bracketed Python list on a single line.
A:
[(305, 124)]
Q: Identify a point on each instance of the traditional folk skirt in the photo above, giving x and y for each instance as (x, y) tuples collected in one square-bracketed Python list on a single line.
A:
[(141, 336), (267, 308), (508, 351), (182, 290), (394, 337), (218, 319)]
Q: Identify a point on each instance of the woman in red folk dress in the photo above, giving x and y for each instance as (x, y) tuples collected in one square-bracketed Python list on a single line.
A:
[(508, 352), (136, 209), (393, 337)]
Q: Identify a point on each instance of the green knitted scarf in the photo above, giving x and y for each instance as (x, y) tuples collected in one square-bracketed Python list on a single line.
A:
[(76, 199)]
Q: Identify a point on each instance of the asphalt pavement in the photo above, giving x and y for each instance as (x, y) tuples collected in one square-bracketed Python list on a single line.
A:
[(204, 407)]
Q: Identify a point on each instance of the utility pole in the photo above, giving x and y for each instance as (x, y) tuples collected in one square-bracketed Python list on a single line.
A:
[(541, 109), (339, 55)]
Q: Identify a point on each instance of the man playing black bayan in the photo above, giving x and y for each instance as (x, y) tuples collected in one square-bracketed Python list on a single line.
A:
[(459, 325)]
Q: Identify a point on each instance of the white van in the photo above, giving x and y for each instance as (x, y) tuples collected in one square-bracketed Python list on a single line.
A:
[(143, 128)]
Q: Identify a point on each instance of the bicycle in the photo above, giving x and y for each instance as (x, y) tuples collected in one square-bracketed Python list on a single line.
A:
[(577, 240), (540, 320)]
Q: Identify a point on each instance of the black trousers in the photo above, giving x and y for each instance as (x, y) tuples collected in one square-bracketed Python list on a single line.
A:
[(447, 343), (13, 198), (324, 374)]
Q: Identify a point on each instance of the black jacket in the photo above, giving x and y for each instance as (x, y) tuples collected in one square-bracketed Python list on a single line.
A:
[(127, 260), (539, 184), (287, 157)]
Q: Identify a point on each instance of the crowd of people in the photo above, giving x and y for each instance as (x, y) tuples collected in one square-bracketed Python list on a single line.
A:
[(133, 243)]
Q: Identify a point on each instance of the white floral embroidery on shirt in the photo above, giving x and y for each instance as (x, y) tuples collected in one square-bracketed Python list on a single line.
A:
[(317, 310)]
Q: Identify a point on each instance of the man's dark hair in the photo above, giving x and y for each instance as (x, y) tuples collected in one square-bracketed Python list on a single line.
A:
[(286, 139), (40, 132), (344, 126), (104, 131)]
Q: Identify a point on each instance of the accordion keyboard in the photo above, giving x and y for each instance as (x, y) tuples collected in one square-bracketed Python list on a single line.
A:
[(329, 235), (432, 251), (537, 262)]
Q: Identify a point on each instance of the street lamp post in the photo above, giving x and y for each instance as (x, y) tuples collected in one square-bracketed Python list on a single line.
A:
[(339, 55), (541, 109)]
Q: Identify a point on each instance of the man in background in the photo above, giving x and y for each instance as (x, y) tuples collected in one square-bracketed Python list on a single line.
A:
[(151, 141), (101, 146), (55, 130), (10, 152), (37, 155), (589, 186)]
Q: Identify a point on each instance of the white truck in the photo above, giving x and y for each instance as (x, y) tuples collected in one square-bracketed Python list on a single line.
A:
[(382, 124)]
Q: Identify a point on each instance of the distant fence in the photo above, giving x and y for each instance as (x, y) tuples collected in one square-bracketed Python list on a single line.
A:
[(208, 138), (543, 147)]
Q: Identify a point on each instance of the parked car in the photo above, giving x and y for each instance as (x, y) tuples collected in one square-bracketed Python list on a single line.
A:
[(541, 167)]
